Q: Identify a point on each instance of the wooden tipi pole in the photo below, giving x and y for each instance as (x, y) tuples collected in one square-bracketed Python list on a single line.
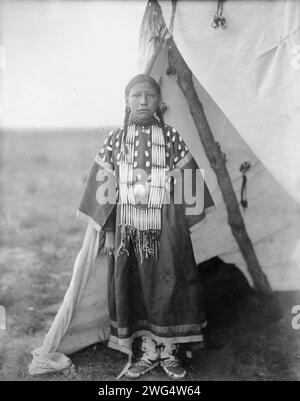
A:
[(217, 161)]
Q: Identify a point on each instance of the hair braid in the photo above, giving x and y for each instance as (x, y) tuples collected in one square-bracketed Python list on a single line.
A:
[(164, 128), (161, 119), (126, 120)]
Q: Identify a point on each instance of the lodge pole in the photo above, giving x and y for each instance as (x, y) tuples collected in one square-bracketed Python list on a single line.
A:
[(217, 160)]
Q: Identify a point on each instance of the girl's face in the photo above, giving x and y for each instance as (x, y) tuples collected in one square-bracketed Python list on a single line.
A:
[(143, 101)]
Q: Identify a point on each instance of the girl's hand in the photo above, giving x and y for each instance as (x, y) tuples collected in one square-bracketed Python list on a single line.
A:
[(109, 245)]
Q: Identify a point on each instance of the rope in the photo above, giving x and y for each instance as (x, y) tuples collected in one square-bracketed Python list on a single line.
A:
[(171, 26), (219, 20), (244, 167)]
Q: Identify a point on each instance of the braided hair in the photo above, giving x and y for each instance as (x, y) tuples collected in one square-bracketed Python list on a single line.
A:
[(125, 128), (126, 119), (164, 128), (158, 113), (160, 116)]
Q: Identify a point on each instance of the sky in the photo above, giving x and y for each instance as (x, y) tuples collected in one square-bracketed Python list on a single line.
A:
[(65, 63)]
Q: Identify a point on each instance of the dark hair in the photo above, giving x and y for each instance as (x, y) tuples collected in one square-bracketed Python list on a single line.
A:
[(142, 78), (126, 120), (160, 116)]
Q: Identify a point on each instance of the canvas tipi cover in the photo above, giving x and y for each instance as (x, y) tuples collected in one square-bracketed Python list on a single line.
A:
[(247, 77)]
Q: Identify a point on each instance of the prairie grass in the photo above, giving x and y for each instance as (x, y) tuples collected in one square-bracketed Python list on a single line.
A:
[(42, 176)]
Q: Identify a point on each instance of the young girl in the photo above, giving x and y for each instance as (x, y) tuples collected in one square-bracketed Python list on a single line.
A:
[(154, 291)]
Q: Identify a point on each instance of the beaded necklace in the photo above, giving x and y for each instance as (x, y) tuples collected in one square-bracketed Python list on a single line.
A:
[(142, 223)]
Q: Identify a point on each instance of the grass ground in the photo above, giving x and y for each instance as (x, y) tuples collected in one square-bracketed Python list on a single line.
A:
[(42, 175)]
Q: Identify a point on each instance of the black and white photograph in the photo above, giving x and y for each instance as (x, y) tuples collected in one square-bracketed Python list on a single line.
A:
[(149, 193)]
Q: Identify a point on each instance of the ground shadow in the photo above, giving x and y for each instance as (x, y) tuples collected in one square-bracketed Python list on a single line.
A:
[(248, 337)]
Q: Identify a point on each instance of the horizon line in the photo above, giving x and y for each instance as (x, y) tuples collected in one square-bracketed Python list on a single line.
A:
[(59, 128)]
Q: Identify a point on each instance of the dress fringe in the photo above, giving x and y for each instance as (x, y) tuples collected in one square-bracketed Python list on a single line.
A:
[(145, 242)]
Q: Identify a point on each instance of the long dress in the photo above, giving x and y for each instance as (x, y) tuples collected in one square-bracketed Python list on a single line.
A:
[(156, 293)]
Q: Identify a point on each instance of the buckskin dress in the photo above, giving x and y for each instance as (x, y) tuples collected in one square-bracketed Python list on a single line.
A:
[(157, 294)]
